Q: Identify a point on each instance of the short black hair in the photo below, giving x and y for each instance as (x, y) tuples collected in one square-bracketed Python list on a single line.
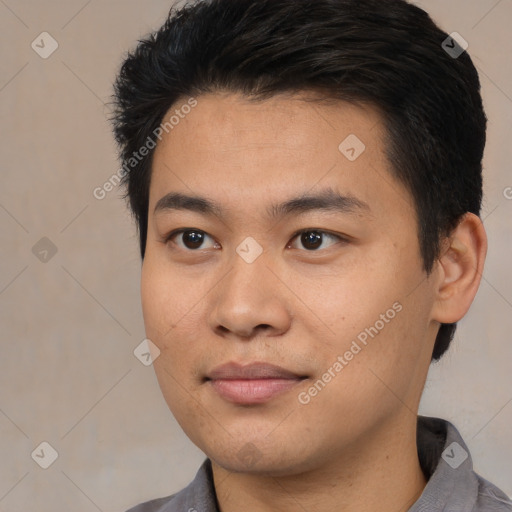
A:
[(385, 53)]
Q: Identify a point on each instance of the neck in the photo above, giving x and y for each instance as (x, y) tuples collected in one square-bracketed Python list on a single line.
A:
[(379, 472)]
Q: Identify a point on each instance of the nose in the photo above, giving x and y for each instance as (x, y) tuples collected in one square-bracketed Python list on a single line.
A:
[(247, 302)]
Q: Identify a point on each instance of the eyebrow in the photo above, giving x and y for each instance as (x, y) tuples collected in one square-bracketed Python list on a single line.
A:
[(325, 200)]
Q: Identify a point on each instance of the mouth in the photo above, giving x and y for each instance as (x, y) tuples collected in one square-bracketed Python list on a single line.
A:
[(254, 383)]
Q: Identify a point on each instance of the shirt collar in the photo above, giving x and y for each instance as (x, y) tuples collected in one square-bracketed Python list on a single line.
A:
[(448, 466)]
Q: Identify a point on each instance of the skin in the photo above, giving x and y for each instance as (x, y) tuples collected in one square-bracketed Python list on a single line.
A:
[(353, 446)]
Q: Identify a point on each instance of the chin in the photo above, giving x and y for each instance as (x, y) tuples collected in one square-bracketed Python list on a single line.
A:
[(252, 460)]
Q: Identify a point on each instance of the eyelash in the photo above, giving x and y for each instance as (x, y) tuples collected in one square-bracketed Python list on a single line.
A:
[(341, 239)]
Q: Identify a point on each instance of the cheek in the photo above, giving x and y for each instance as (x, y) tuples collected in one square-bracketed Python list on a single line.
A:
[(371, 304), (153, 297), (171, 310), (167, 299), (353, 298), (160, 307)]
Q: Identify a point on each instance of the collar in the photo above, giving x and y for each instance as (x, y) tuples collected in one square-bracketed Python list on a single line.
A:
[(452, 485)]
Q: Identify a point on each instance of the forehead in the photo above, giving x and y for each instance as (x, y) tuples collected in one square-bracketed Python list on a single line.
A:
[(246, 151), (291, 123)]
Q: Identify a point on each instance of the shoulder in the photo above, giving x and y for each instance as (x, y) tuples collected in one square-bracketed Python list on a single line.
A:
[(157, 505), (490, 498), (452, 483), (198, 495)]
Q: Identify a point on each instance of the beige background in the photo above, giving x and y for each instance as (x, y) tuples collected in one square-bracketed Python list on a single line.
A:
[(68, 375)]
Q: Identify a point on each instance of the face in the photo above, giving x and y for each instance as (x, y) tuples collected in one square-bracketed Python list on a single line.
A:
[(299, 250)]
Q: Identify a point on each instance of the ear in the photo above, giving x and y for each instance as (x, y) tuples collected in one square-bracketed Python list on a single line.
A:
[(460, 269)]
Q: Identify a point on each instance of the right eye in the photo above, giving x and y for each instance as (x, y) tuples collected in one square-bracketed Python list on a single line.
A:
[(190, 239)]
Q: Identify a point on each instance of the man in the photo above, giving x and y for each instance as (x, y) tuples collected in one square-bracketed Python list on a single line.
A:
[(306, 178)]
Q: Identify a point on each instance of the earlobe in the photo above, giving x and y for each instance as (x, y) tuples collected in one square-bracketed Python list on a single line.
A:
[(460, 268)]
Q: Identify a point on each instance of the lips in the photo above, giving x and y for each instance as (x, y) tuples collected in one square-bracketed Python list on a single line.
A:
[(233, 371), (251, 384)]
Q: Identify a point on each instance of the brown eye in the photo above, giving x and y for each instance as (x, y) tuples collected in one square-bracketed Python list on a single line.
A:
[(313, 239), (190, 239)]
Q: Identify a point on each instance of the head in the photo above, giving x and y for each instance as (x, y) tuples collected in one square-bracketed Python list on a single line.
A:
[(256, 103)]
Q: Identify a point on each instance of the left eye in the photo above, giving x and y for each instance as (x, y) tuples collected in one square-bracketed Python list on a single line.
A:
[(313, 239)]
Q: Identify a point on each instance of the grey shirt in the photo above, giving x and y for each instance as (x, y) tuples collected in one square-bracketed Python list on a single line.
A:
[(452, 484)]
